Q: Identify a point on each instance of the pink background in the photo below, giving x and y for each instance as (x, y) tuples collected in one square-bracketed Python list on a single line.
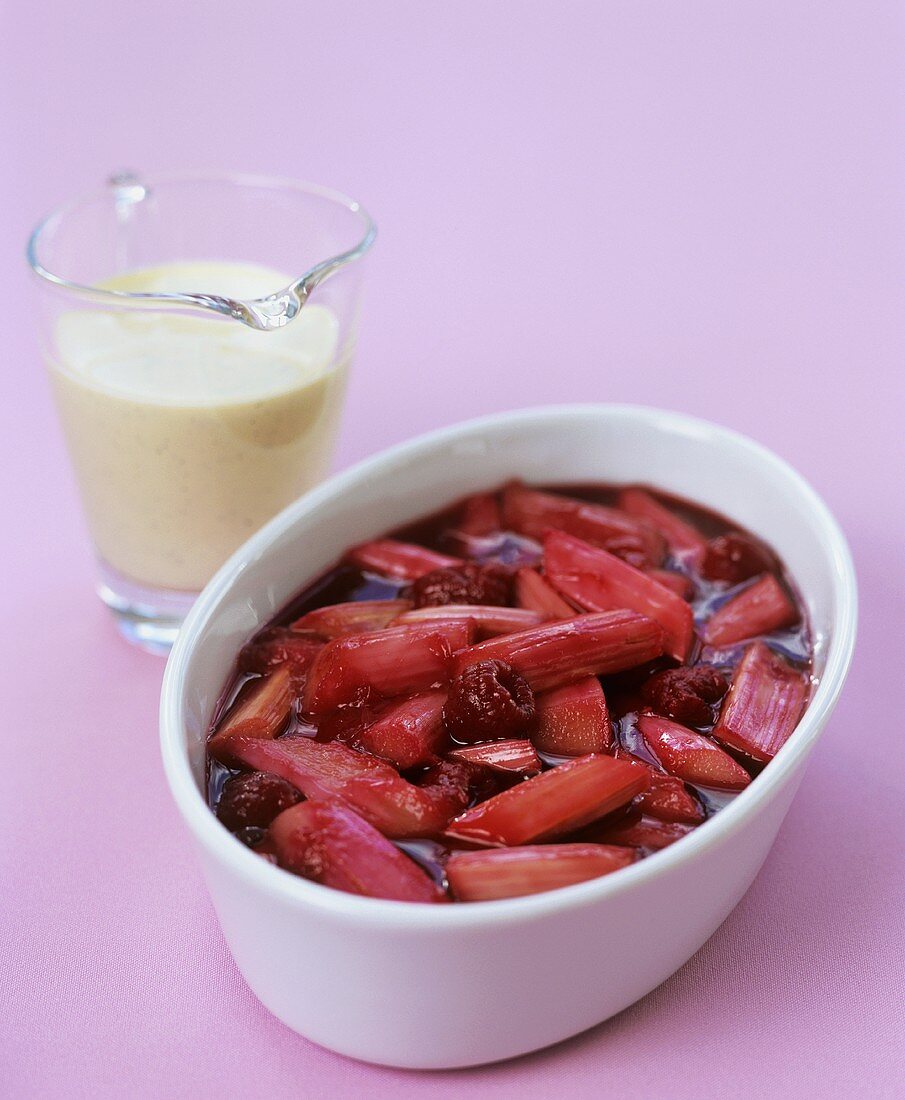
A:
[(694, 205)]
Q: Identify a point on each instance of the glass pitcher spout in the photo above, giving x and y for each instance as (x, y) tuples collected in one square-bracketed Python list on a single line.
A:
[(131, 197)]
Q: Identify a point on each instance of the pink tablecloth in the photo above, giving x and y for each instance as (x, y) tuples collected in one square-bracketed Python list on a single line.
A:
[(693, 205)]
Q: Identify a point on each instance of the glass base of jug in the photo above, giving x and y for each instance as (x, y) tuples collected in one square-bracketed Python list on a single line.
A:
[(146, 617)]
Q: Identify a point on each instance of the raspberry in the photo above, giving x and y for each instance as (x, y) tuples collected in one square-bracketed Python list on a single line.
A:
[(685, 694), (254, 799), (735, 558), (488, 701), (467, 583)]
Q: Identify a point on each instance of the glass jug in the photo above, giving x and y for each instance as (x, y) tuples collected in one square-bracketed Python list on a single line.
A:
[(198, 377)]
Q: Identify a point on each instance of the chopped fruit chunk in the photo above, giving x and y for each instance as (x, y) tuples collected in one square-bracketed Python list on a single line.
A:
[(563, 652), (641, 832), (534, 869), (410, 733), (667, 797), (480, 515), (683, 539), (573, 720), (735, 557), (372, 787), (598, 581), (764, 704), (676, 582), (329, 843), (404, 560), (355, 617), (400, 660), (691, 756), (552, 803), (487, 701), (468, 583), (254, 799), (513, 757), (489, 621), (279, 646), (261, 711), (760, 608), (533, 592), (535, 513), (685, 694)]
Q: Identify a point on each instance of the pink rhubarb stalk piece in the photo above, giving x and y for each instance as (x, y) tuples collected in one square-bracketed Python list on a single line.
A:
[(480, 515), (355, 617), (535, 594), (598, 581), (262, 711), (691, 756), (640, 831), (667, 797), (758, 609), (533, 869), (683, 539), (675, 582), (573, 720), (555, 802), (489, 621), (330, 844), (401, 660), (534, 513), (410, 734), (404, 560), (562, 652), (510, 757), (765, 701), (373, 788)]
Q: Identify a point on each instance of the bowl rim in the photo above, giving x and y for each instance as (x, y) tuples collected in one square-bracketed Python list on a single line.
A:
[(264, 878)]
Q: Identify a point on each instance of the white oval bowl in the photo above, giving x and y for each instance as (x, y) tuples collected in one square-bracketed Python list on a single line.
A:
[(445, 986)]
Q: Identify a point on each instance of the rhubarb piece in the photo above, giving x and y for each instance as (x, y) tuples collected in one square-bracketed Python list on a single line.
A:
[(760, 608), (262, 710), (676, 582), (370, 786), (737, 557), (764, 704), (563, 652), (508, 757), (534, 593), (598, 581), (534, 513), (401, 660), (410, 734), (468, 583), (279, 646), (487, 701), (667, 798), (684, 540), (330, 844), (254, 799), (489, 621), (639, 831), (403, 560), (573, 720), (552, 803), (691, 756), (685, 694), (480, 515), (355, 617), (534, 869)]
